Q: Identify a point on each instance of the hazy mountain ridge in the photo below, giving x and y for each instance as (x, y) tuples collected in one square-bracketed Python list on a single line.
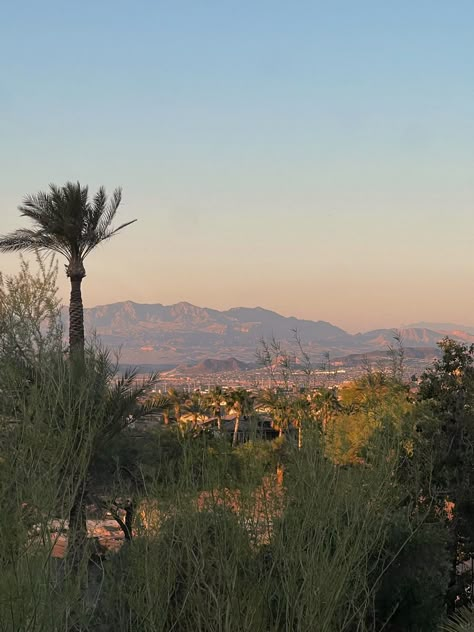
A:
[(411, 336), (185, 333), (183, 316), (427, 354), (447, 327)]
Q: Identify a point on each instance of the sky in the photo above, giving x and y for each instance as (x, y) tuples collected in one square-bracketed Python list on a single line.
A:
[(314, 158)]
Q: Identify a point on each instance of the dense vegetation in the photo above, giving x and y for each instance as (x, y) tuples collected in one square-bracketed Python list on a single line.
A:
[(314, 509)]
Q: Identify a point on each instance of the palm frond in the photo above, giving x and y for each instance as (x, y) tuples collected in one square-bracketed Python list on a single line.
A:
[(461, 621), (89, 245), (126, 402), (17, 241), (116, 230), (66, 221), (161, 403), (27, 240), (94, 213), (109, 211)]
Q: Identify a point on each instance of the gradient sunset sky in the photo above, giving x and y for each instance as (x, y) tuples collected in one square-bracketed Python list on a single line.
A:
[(315, 158)]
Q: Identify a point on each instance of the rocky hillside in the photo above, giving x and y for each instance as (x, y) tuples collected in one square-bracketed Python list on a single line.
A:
[(184, 333), (209, 367)]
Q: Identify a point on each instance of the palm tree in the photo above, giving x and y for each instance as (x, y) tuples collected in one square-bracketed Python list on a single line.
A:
[(243, 404), (163, 405), (196, 406), (279, 406), (301, 410), (214, 399), (67, 222), (177, 399), (325, 405), (461, 621), (117, 402)]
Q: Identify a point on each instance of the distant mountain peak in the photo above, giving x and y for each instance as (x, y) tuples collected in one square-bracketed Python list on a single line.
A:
[(185, 305), (183, 333)]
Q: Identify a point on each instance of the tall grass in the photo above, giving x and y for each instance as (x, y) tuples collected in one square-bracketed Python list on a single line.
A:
[(222, 542), (42, 463), (236, 551), (264, 537)]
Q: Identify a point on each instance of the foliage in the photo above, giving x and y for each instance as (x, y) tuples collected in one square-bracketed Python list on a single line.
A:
[(320, 558), (414, 566), (30, 319), (445, 424), (366, 407), (66, 221), (196, 574), (342, 530), (461, 621)]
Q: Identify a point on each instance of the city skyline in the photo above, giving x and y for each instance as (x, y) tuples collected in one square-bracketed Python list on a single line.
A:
[(316, 162)]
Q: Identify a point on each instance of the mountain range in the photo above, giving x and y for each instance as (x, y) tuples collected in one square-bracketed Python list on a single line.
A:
[(183, 333)]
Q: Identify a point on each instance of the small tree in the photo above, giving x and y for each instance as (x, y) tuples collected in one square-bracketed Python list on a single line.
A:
[(445, 423), (30, 317)]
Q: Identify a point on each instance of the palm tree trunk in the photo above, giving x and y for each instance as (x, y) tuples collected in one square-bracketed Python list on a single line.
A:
[(236, 431), (76, 318), (300, 436), (219, 422), (77, 514)]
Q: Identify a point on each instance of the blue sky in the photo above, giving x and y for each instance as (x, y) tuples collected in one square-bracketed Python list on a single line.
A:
[(311, 157)]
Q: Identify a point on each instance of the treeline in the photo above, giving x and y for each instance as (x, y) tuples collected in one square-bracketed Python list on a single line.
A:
[(355, 517)]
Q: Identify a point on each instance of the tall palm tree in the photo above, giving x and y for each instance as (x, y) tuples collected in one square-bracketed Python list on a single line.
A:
[(196, 406), (279, 406), (177, 399), (325, 406), (215, 399), (301, 411), (243, 404), (66, 221)]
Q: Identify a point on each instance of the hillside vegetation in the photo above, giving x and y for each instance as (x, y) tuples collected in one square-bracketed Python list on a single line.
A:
[(126, 509)]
